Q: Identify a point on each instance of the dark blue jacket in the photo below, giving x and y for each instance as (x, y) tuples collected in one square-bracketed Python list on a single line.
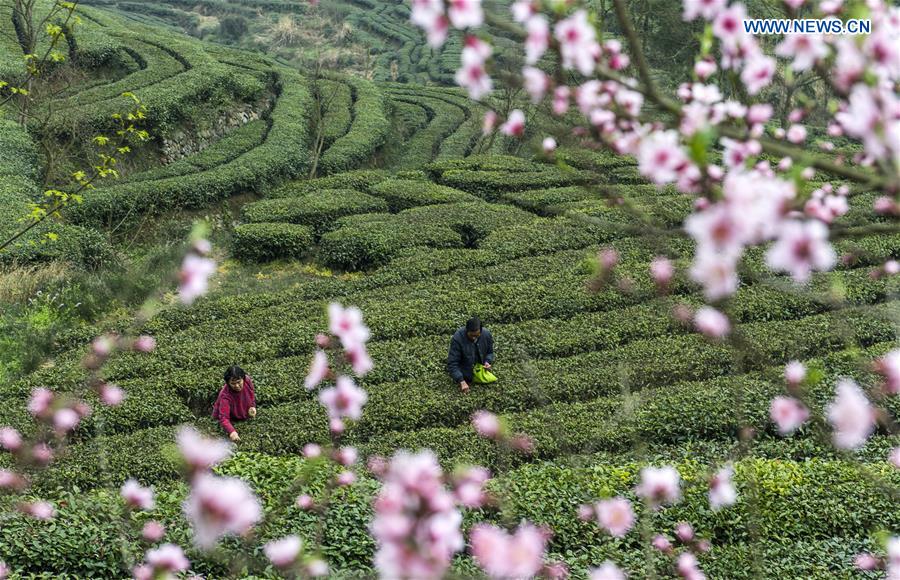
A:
[(464, 354)]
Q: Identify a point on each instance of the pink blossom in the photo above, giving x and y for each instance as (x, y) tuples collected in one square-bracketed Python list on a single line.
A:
[(662, 270), (794, 372), (64, 420), (728, 24), (851, 415), (416, 525), (549, 145), (865, 561), (615, 58), (220, 505), (194, 277), (788, 414), (522, 443), (343, 400), (805, 50), (608, 258), (144, 343), (894, 457), (862, 118), (143, 572), (10, 439), (465, 13), (346, 478), (758, 73), (721, 489), (12, 481), (429, 14), (167, 558), (801, 248), (715, 271), (659, 485), (346, 456), (537, 83), (201, 452), (889, 367), (615, 516), (522, 10), (561, 100), (39, 510), (153, 531), (711, 322), (112, 395), (504, 555), (42, 453), (660, 156), (282, 553), (630, 101), (436, 31), (317, 568), (311, 451), (538, 38), (704, 69), (796, 134), (468, 486), (607, 571), (684, 532), (555, 571), (136, 496), (662, 543), (514, 125), (893, 557), (758, 114), (4, 570), (473, 74), (102, 346), (347, 324), (318, 370), (708, 9), (305, 501), (577, 41), (490, 120), (688, 568), (359, 359), (41, 399)]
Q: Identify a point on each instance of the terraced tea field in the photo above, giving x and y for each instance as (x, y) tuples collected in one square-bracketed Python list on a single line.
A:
[(399, 205)]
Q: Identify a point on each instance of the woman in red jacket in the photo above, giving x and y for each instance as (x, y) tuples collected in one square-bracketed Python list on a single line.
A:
[(236, 400)]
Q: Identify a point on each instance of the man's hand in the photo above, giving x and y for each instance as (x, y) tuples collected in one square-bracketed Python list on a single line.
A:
[(464, 386), (487, 366), (234, 436), (252, 412)]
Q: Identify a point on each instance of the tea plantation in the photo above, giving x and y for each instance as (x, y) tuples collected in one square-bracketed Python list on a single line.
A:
[(411, 214)]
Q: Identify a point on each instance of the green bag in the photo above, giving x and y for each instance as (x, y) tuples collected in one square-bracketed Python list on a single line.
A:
[(482, 375)]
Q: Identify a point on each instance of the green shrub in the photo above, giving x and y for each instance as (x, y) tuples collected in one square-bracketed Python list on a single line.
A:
[(359, 179), (338, 101), (319, 210), (283, 154), (490, 184), (444, 117), (367, 133), (403, 194), (366, 241), (268, 241)]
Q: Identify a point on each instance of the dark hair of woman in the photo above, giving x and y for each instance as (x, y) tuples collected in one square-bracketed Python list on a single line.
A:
[(234, 372)]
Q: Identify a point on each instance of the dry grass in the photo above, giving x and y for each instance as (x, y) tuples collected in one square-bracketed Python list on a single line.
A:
[(17, 284)]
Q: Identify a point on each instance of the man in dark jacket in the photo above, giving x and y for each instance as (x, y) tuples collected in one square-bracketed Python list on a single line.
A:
[(470, 344)]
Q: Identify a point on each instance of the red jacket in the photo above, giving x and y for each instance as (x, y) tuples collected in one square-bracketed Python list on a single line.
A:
[(230, 405)]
